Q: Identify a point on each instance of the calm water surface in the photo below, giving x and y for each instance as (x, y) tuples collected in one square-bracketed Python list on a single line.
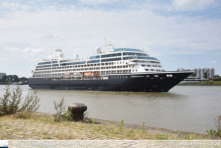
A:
[(183, 108)]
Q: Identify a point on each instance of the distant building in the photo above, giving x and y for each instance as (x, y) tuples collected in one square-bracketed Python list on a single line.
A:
[(199, 72), (2, 74)]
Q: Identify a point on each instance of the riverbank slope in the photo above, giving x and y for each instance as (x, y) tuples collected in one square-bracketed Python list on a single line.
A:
[(42, 126)]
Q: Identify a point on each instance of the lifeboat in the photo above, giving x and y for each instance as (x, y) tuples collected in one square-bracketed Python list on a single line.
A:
[(96, 73), (89, 74), (77, 74)]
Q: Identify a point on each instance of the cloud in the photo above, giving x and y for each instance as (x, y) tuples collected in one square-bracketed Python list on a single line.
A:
[(185, 5), (78, 30), (12, 49), (95, 2), (213, 62), (32, 52), (49, 36), (7, 5)]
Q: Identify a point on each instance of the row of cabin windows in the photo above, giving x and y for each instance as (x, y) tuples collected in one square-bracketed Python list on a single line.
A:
[(102, 72), (137, 54), (102, 64), (79, 67), (47, 66), (154, 70), (151, 65), (139, 57), (119, 77), (149, 62), (96, 68), (51, 62)]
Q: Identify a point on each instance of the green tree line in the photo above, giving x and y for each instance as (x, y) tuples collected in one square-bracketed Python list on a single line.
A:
[(12, 78)]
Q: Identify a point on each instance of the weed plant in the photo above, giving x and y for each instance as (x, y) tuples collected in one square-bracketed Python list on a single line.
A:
[(12, 102), (216, 132)]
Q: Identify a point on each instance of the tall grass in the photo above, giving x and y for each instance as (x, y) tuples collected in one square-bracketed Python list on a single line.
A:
[(12, 102)]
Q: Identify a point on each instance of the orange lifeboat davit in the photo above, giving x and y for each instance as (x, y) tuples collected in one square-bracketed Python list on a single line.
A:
[(89, 74), (96, 73)]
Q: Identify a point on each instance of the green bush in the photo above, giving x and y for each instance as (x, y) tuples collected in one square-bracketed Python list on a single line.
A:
[(61, 115), (68, 116), (216, 132), (12, 102)]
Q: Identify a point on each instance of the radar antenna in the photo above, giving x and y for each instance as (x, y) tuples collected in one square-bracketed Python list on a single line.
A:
[(109, 45)]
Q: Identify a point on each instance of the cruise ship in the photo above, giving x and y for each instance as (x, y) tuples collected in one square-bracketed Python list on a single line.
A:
[(119, 69)]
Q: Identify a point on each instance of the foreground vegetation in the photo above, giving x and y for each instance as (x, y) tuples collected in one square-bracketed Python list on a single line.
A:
[(13, 102), (42, 126), (215, 83)]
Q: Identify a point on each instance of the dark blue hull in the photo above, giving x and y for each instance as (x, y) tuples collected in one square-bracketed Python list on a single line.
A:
[(158, 82)]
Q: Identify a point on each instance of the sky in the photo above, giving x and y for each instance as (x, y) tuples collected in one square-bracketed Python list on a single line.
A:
[(180, 33)]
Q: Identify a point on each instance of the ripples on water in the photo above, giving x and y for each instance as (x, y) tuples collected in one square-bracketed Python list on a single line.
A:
[(183, 108)]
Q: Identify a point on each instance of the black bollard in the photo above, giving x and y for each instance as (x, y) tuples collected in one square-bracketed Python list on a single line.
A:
[(77, 111)]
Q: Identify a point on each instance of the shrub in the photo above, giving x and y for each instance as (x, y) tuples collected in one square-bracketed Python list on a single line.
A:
[(68, 116), (12, 102), (61, 115), (216, 132), (59, 107)]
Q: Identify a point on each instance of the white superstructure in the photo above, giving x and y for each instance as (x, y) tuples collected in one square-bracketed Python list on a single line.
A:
[(115, 61)]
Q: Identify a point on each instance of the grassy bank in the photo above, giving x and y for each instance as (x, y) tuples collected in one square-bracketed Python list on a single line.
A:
[(209, 83), (42, 126)]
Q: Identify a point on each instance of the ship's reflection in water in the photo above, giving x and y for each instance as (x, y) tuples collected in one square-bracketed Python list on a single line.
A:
[(183, 108)]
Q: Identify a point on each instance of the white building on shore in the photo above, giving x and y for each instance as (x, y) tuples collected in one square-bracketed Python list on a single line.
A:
[(199, 72)]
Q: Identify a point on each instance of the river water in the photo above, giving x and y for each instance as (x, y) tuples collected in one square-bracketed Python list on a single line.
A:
[(183, 108)]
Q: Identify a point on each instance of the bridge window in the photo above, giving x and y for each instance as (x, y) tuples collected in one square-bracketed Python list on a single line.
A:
[(114, 59), (110, 55)]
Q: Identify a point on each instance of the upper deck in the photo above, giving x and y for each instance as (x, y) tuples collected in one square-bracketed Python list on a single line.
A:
[(120, 60)]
